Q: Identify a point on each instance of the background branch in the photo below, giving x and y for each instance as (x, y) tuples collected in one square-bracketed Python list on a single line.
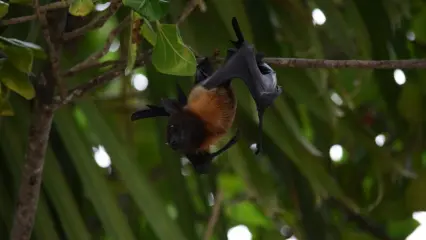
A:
[(53, 53), (324, 63), (95, 82), (215, 215), (97, 22), (43, 9), (91, 60), (190, 6)]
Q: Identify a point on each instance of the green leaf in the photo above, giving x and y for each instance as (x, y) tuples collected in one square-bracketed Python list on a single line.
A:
[(16, 81), (81, 8), (5, 108), (22, 2), (170, 55), (148, 33), (402, 229), (246, 213), (231, 185), (94, 183), (416, 193), (20, 58), (410, 103), (149, 201), (36, 49), (150, 9), (4, 8)]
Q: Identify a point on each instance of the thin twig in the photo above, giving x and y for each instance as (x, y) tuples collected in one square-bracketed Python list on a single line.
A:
[(91, 60), (190, 6), (97, 22), (362, 222), (82, 89), (97, 65), (323, 63), (43, 9), (215, 215)]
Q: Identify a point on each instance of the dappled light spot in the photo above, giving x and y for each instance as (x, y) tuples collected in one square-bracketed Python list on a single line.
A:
[(318, 17), (240, 232), (336, 98), (172, 211), (380, 140), (399, 76), (114, 46), (286, 232), (211, 199), (139, 82), (102, 6), (101, 157), (253, 147), (184, 170), (336, 153), (411, 36), (420, 232)]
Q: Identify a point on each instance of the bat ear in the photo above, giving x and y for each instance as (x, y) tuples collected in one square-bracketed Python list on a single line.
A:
[(153, 111), (172, 106)]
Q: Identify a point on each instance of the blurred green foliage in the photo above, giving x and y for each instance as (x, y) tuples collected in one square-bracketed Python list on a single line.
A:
[(149, 192)]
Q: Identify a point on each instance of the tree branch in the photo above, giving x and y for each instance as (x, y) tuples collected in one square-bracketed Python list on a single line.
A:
[(91, 65), (97, 22), (190, 6), (215, 215), (324, 63), (43, 9), (362, 222), (53, 54), (29, 189), (91, 60), (82, 89)]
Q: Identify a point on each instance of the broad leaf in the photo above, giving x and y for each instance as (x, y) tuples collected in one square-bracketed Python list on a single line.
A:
[(5, 107), (4, 8), (16, 81), (246, 213), (150, 9), (170, 55), (410, 103), (20, 58), (148, 33), (36, 49), (22, 2), (416, 193), (81, 8), (402, 229)]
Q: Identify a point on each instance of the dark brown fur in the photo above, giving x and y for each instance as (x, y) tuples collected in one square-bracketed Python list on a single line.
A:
[(206, 118)]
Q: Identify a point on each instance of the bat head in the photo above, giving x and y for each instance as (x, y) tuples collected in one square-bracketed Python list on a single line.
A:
[(185, 131)]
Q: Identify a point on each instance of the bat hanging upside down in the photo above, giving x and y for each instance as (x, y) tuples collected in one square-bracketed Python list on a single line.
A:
[(200, 120)]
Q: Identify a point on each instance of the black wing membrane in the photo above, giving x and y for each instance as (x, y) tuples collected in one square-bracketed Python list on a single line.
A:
[(242, 62), (204, 70), (152, 111)]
